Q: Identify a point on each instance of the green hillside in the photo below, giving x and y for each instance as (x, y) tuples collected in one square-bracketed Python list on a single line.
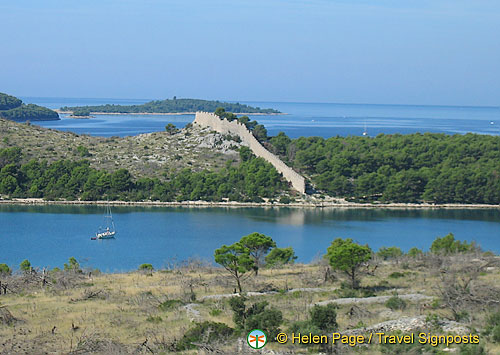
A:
[(14, 109)]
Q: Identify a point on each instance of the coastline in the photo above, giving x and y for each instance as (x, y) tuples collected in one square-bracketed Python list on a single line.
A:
[(234, 204), (167, 113)]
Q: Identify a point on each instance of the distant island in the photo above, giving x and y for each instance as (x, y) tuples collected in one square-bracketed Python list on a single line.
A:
[(173, 105), (14, 109)]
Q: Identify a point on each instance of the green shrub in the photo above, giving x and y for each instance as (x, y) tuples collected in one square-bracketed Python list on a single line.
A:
[(395, 303), (493, 326), (415, 252), (324, 317), (170, 304), (257, 316), (206, 332), (285, 199), (448, 245), (146, 267), (72, 265), (5, 269), (25, 265), (83, 151), (389, 253), (280, 256)]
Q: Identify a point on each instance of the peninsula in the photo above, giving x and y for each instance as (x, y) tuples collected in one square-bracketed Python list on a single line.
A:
[(170, 106), (14, 109)]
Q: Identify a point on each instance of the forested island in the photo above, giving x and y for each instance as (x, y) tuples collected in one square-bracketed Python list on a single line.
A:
[(14, 109), (173, 105)]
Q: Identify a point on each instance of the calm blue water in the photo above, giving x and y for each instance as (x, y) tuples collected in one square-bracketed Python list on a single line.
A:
[(49, 235), (303, 119)]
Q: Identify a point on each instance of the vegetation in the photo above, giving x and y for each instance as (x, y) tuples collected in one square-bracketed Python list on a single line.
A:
[(247, 254), (12, 108), (253, 179), (280, 257), (348, 256), (81, 112), (25, 265), (159, 314), (448, 245), (258, 246), (258, 130), (173, 106), (257, 316), (428, 167)]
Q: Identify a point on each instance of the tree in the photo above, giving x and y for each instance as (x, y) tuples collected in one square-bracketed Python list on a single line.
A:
[(25, 265), (415, 252), (347, 256), (448, 245), (5, 269), (236, 260), (72, 265), (171, 129), (280, 256), (258, 245)]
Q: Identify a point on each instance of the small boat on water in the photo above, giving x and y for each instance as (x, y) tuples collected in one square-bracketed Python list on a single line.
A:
[(365, 132), (108, 231)]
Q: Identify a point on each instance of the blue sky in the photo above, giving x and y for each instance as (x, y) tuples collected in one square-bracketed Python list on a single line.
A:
[(352, 51)]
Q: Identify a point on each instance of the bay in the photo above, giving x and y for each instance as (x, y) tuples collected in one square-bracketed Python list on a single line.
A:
[(49, 235)]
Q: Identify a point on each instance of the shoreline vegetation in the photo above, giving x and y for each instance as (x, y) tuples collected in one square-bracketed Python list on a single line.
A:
[(201, 204)]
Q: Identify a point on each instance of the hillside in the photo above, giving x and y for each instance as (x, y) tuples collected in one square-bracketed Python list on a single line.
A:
[(172, 106), (143, 155), (12, 108), (191, 164)]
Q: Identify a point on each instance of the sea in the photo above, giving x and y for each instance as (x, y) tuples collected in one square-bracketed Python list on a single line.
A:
[(301, 119), (168, 236)]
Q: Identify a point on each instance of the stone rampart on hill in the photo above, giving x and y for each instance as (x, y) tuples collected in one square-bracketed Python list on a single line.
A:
[(223, 126)]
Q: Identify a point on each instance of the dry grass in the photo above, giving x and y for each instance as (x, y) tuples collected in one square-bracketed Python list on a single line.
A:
[(114, 313)]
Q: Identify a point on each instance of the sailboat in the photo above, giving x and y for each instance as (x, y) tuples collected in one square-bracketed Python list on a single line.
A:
[(108, 231), (365, 132)]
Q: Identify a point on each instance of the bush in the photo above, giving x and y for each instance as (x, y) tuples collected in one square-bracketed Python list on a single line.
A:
[(83, 151), (324, 317), (5, 269), (395, 303), (170, 304), (280, 256), (493, 327), (146, 267), (285, 199), (25, 265), (415, 252), (448, 245), (257, 316), (389, 253), (396, 275), (206, 332), (72, 265)]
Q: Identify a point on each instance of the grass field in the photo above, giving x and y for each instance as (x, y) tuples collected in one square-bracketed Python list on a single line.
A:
[(139, 312)]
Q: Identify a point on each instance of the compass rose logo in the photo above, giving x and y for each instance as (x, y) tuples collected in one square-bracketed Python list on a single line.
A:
[(256, 339)]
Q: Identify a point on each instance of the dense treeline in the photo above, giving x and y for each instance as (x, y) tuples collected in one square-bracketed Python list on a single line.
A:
[(12, 108), (172, 106), (253, 179), (8, 102), (403, 168)]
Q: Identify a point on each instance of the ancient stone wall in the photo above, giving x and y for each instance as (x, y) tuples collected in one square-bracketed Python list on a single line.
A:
[(206, 119)]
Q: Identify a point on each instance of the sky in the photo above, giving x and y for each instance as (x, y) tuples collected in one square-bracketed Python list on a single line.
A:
[(435, 52)]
